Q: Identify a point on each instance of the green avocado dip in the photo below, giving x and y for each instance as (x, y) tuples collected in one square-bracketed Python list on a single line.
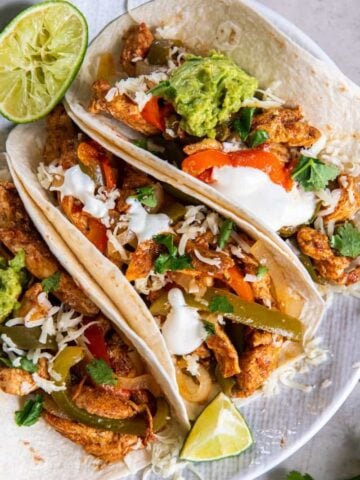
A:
[(206, 91), (11, 283)]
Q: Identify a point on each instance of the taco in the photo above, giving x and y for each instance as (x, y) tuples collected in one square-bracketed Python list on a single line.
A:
[(231, 107), (227, 305), (75, 364)]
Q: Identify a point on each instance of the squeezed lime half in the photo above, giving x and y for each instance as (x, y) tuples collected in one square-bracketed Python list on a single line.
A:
[(41, 51), (220, 431)]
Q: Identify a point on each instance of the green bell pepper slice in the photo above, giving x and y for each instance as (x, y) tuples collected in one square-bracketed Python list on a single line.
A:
[(250, 314), (28, 338)]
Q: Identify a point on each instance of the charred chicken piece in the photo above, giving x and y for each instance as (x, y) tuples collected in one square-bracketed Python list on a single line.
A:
[(137, 42), (142, 260), (224, 351), (120, 107), (349, 202), (285, 125)]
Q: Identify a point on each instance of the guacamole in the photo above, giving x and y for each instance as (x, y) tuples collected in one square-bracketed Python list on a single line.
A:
[(11, 279), (205, 91)]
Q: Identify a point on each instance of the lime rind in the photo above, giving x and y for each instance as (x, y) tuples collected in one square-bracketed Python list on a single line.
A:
[(219, 432), (29, 91)]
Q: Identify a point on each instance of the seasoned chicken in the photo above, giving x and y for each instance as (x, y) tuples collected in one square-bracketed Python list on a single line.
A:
[(220, 260), (119, 358), (137, 42), (16, 381), (224, 351), (349, 202), (259, 359), (62, 139), (142, 260), (280, 151), (262, 287), (120, 107), (205, 144), (316, 245), (103, 444), (29, 302), (285, 125), (18, 233)]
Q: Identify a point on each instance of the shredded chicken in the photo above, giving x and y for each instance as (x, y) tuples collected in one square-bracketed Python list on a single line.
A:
[(142, 260), (224, 260), (16, 381), (137, 42), (349, 202), (206, 144), (18, 233), (285, 125), (259, 359), (119, 358), (316, 245), (62, 139), (120, 107), (224, 351), (103, 444)]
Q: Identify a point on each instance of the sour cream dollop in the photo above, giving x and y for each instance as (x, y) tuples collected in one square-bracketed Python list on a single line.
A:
[(253, 189), (183, 329), (80, 186), (145, 225)]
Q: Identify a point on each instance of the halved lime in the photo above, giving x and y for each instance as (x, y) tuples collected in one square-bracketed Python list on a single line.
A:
[(41, 51), (219, 432)]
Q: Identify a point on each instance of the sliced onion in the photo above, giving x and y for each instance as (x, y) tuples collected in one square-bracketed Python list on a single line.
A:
[(142, 382), (194, 389)]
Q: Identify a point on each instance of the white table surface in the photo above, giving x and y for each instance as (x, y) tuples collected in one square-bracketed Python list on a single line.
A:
[(334, 453)]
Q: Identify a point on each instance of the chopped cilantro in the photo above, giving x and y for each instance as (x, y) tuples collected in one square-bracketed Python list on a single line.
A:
[(18, 262), (100, 372), (166, 262), (28, 365), (142, 143), (30, 413), (220, 304), (242, 124), (261, 271), (209, 327), (298, 476), (146, 196), (225, 232), (258, 137), (313, 174), (51, 284), (168, 242), (163, 89), (347, 240)]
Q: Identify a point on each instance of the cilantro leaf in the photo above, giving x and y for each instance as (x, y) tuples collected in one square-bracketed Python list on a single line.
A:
[(18, 262), (298, 476), (347, 240), (163, 89), (100, 372), (242, 124), (168, 242), (166, 262), (220, 304), (142, 143), (51, 284), (225, 232), (313, 174), (209, 327), (30, 413), (28, 365), (146, 196), (261, 271), (257, 138)]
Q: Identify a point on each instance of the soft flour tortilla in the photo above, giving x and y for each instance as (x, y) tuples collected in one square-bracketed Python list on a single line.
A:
[(24, 157), (330, 101), (44, 452)]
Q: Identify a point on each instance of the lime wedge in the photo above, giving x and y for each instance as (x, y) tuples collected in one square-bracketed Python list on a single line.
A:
[(41, 51), (220, 431)]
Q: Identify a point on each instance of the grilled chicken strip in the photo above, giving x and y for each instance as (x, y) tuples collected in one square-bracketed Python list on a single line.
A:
[(224, 351), (120, 107), (284, 125), (18, 233), (16, 381), (106, 445), (137, 42)]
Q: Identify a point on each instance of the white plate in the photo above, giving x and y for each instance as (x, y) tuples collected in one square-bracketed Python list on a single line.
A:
[(283, 423)]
